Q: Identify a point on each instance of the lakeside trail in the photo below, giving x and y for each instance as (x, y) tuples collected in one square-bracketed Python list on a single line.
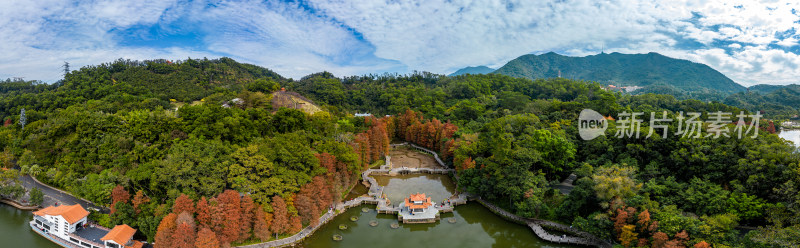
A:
[(376, 191), (53, 195)]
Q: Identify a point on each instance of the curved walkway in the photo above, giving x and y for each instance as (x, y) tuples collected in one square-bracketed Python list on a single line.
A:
[(434, 154), (375, 197), (583, 238), (18, 205), (53, 195)]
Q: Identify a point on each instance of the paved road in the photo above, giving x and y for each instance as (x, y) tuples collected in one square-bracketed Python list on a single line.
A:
[(566, 186), (52, 196)]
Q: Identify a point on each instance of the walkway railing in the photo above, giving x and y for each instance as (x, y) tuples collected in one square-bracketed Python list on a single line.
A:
[(536, 225), (434, 154), (376, 191)]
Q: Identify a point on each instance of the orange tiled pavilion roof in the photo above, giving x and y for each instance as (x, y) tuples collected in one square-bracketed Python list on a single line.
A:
[(72, 213)]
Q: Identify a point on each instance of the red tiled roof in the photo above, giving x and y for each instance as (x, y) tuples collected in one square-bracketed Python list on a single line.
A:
[(72, 213), (417, 197), (136, 244), (426, 201), (120, 234)]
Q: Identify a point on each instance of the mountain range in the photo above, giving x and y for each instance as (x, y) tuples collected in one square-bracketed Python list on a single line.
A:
[(623, 70), (472, 70), (654, 73)]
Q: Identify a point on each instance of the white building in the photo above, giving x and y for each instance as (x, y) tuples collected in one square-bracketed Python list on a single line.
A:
[(121, 236), (68, 224), (62, 220)]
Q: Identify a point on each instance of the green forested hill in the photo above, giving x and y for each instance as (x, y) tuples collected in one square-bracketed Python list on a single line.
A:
[(472, 70), (782, 102), (769, 88), (114, 127), (126, 84), (624, 70)]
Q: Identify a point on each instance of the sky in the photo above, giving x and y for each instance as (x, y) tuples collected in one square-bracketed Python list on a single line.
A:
[(752, 42)]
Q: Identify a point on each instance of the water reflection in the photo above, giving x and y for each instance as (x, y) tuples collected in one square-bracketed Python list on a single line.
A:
[(16, 232), (436, 186), (475, 225), (791, 135)]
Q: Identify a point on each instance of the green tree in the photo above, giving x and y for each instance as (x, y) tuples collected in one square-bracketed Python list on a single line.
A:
[(615, 181), (262, 85), (747, 207), (36, 196), (705, 198)]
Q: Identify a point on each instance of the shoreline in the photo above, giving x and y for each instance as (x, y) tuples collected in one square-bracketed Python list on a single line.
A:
[(535, 225), (19, 205)]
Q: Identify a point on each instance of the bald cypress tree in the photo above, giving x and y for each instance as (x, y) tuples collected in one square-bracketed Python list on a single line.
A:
[(280, 216)]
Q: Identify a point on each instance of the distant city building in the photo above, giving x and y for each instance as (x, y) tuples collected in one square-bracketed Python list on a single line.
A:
[(626, 89), (362, 114), (790, 124)]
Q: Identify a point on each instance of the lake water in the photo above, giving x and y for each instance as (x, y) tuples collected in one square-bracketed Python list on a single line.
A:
[(475, 225), (436, 186), (791, 135), (15, 231)]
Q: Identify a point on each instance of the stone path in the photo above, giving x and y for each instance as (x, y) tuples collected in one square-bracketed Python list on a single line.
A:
[(583, 238), (375, 194), (566, 186)]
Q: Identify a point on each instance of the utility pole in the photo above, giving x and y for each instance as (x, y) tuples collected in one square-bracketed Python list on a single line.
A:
[(66, 69), (22, 118)]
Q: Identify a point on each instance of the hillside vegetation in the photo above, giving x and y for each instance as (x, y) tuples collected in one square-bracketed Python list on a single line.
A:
[(624, 70), (108, 134)]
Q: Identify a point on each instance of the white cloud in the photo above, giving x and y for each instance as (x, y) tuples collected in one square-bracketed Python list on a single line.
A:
[(442, 36), (752, 64), (287, 39), (36, 37), (356, 37)]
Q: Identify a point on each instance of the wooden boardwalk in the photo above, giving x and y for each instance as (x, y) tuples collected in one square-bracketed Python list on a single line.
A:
[(375, 197)]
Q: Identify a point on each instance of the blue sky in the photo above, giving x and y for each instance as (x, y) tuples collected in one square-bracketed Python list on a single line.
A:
[(751, 42)]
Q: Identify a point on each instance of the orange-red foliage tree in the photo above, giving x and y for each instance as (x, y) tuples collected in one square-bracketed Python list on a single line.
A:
[(305, 205), (119, 194), (660, 239), (139, 199), (260, 225), (681, 238), (165, 230), (296, 224), (203, 211), (702, 244), (447, 149), (645, 224), (642, 242), (184, 235), (280, 216), (361, 147), (229, 204), (206, 239), (468, 164), (183, 204), (248, 211)]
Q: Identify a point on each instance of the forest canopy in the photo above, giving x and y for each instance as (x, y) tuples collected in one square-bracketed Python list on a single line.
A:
[(156, 139)]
